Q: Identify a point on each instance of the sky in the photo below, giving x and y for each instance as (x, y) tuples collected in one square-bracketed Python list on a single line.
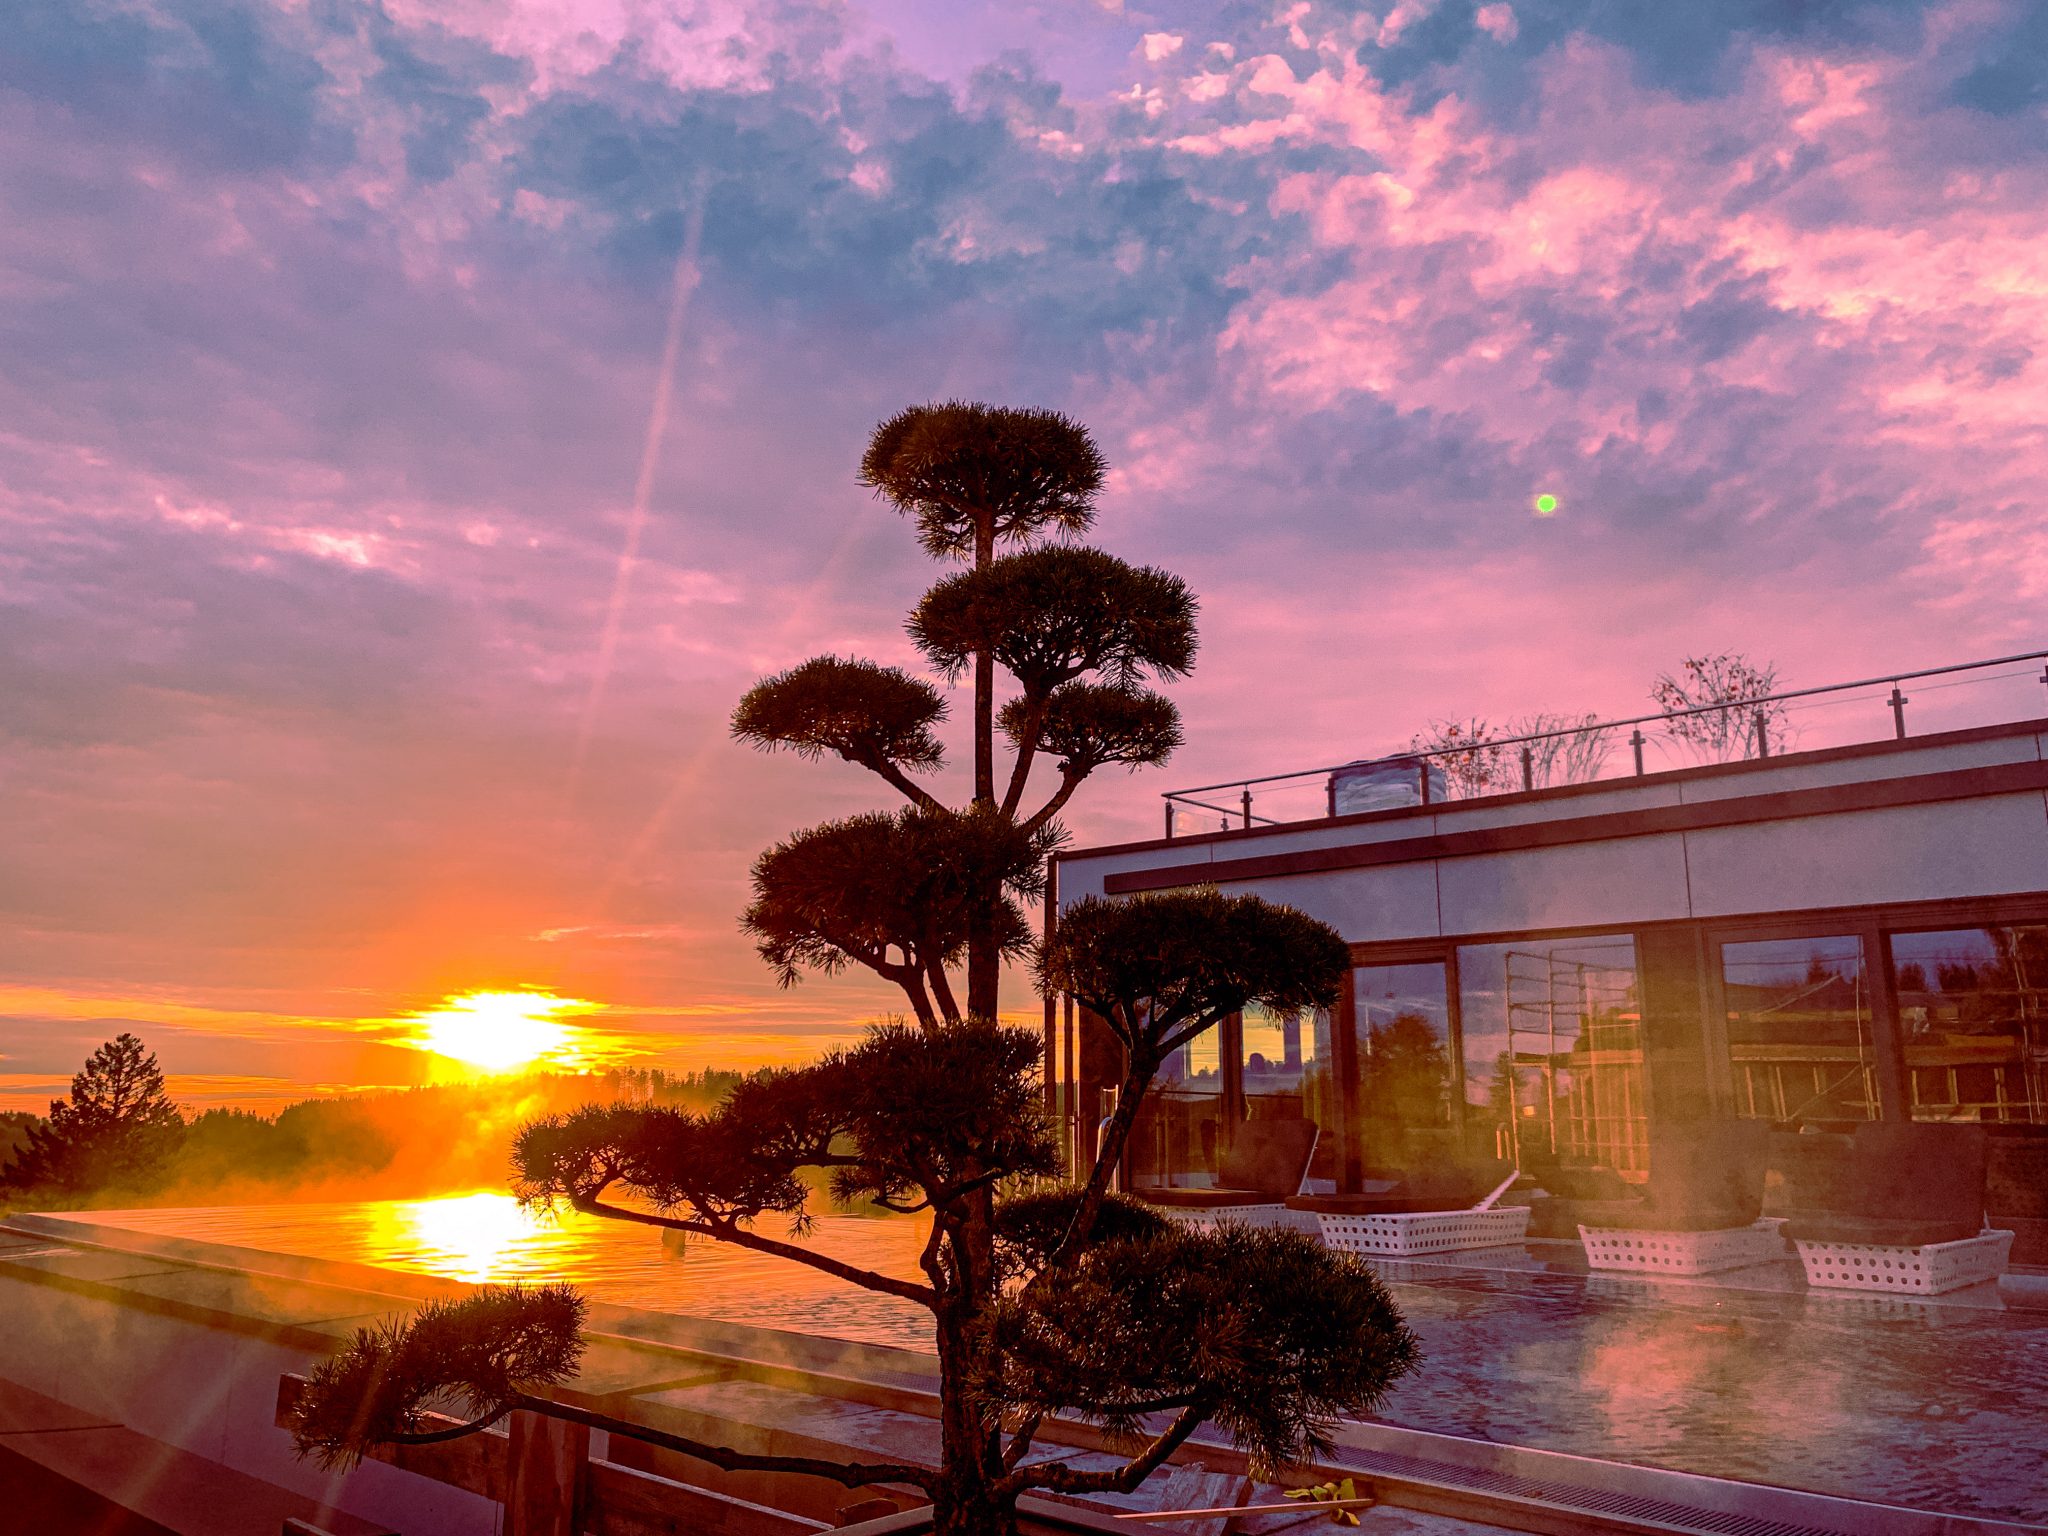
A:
[(419, 423)]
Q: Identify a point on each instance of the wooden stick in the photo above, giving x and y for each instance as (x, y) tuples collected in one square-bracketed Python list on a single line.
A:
[(1294, 1506)]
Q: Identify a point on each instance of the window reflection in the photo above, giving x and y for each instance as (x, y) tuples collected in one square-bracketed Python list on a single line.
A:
[(1799, 1036), (1402, 1016), (1973, 1010), (1287, 1064), (1176, 1141), (1196, 1067), (1553, 1051)]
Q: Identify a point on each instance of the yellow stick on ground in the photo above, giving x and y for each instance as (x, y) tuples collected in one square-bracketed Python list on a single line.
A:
[(1295, 1506)]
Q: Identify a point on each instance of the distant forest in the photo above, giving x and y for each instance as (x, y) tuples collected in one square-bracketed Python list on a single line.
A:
[(389, 1144)]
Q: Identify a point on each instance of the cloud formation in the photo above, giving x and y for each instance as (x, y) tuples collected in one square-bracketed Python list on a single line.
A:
[(328, 337)]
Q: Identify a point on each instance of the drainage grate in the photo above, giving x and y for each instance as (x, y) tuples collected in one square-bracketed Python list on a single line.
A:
[(1662, 1513)]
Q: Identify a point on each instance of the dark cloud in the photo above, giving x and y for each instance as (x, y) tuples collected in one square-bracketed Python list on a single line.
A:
[(222, 84), (1695, 49), (2001, 69), (437, 82)]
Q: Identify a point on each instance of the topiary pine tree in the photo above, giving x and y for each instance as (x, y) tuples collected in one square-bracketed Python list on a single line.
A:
[(118, 1126), (1047, 1300)]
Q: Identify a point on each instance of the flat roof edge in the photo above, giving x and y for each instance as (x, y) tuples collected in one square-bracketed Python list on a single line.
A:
[(1566, 792)]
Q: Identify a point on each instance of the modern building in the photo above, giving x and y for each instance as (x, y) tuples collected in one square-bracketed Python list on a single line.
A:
[(1814, 938)]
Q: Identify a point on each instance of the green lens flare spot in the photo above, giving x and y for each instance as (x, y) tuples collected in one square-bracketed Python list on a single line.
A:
[(1546, 504)]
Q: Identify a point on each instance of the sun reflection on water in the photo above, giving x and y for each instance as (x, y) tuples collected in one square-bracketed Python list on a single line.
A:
[(488, 1237), (466, 1237)]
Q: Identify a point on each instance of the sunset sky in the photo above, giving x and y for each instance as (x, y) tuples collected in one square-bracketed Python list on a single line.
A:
[(345, 349)]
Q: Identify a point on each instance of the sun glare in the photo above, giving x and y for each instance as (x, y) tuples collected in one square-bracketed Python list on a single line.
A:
[(503, 1031)]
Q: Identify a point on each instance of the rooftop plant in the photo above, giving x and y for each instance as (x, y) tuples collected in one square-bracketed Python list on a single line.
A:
[(1048, 1299)]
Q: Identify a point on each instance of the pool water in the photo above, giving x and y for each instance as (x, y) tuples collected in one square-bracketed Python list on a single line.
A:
[(487, 1237), (1937, 1406)]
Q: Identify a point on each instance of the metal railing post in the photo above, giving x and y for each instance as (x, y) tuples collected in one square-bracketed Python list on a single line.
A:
[(1169, 821), (1528, 768), (1635, 740), (1898, 703), (1422, 773), (1247, 808), (1763, 736)]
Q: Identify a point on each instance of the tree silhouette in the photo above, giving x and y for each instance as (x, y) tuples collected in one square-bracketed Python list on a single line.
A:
[(1076, 629), (1722, 734), (118, 1126), (1046, 1299)]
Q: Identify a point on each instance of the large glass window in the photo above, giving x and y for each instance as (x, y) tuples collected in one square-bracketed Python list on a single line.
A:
[(1553, 1051), (1402, 1015), (1178, 1137), (1973, 1014), (1287, 1075), (1799, 1029)]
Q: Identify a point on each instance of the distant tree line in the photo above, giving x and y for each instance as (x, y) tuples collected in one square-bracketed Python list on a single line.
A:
[(117, 1138)]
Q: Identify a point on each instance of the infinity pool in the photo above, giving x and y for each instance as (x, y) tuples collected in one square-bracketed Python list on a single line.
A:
[(1937, 1406)]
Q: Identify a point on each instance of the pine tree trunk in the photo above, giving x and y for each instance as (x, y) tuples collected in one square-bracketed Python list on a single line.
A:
[(965, 1503), (984, 974), (966, 1506), (984, 963), (971, 1447)]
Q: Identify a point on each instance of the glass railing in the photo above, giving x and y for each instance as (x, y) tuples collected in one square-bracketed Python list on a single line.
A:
[(1470, 760)]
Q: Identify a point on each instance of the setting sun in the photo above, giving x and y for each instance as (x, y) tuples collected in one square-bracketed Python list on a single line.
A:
[(503, 1031)]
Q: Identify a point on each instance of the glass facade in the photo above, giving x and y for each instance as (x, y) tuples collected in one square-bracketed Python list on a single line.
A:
[(1534, 1049), (1401, 1018), (1973, 1021), (1799, 1030), (1553, 1052)]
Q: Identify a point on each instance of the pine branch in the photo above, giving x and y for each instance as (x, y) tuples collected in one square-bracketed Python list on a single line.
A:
[(739, 1237), (928, 1260), (725, 1458), (1020, 1442), (942, 992), (898, 780), (1064, 1479), (1027, 749), (458, 1431), (911, 979), (1070, 780), (1107, 1155)]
